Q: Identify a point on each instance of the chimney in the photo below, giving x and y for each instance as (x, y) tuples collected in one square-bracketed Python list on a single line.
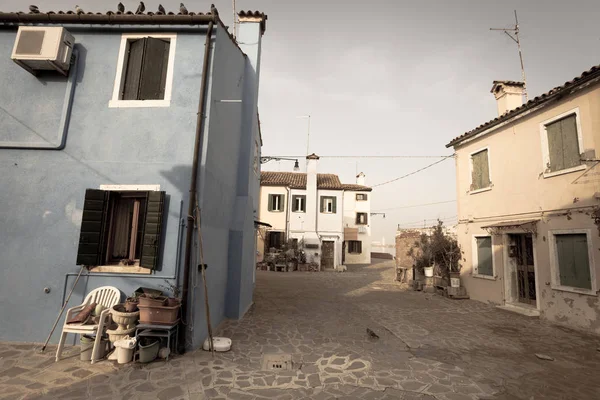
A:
[(311, 192), (360, 179), (508, 94)]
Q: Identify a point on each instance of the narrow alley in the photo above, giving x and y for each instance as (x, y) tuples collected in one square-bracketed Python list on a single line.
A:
[(428, 347)]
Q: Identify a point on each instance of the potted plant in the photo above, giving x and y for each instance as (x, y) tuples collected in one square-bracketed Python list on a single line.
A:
[(175, 291), (152, 299), (131, 303)]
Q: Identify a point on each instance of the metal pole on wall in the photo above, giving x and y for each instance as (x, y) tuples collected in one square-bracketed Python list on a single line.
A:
[(308, 136)]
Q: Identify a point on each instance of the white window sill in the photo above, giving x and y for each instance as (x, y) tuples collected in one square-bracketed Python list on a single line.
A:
[(488, 277), (565, 171), (123, 269), (138, 103), (480, 190), (587, 292), (299, 212), (276, 211)]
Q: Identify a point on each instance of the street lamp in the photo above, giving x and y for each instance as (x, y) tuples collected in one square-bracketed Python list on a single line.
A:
[(264, 160)]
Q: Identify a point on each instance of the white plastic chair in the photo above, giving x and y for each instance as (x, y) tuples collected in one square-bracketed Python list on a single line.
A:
[(108, 296)]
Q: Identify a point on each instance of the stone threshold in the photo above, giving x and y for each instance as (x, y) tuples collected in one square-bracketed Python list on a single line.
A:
[(521, 309)]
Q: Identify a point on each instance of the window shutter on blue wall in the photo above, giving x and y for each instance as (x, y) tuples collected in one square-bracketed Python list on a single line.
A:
[(133, 70), (153, 222), (154, 69), (93, 228)]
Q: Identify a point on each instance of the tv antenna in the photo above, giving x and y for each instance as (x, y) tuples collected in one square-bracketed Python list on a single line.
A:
[(234, 19), (515, 31)]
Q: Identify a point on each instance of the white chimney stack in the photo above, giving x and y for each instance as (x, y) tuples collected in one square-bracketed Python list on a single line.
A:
[(311, 192), (360, 179), (508, 94)]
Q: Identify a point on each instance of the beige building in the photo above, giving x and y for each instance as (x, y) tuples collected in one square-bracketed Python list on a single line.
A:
[(332, 219), (528, 198)]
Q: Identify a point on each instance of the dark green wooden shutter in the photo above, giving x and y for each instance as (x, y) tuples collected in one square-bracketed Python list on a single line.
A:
[(93, 228), (484, 256), (271, 202), (294, 203), (153, 222), (133, 71), (322, 203), (571, 155), (573, 261), (334, 205), (555, 146), (481, 170), (485, 169), (154, 69)]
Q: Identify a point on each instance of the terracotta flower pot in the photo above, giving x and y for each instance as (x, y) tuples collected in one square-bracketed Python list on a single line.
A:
[(173, 301), (144, 300)]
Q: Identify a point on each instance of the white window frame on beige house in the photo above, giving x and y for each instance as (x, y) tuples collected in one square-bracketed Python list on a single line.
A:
[(546, 150), (471, 171), (475, 258), (555, 277)]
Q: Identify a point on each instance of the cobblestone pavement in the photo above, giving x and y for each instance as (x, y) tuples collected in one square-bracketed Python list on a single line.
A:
[(429, 347)]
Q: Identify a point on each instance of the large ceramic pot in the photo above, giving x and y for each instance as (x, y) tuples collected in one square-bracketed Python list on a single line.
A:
[(123, 318)]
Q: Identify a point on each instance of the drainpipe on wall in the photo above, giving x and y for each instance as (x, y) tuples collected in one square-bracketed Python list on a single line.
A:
[(193, 186), (287, 214)]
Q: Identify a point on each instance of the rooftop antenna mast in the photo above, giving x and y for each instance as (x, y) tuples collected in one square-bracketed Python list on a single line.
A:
[(515, 31), (234, 20)]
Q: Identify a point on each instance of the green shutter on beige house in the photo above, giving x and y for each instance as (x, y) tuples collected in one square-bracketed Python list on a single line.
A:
[(151, 241), (92, 235), (563, 144), (481, 170), (573, 260), (484, 256)]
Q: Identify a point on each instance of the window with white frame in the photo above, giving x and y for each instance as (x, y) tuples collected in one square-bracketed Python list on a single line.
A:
[(145, 71), (361, 197), (563, 143), (276, 202), (483, 262), (299, 203), (572, 260), (480, 170), (328, 204)]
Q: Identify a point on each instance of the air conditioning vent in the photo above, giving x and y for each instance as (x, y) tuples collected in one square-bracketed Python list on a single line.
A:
[(362, 229), (40, 48), (30, 43)]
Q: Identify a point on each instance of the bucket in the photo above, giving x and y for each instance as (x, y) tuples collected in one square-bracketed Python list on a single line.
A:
[(125, 348), (148, 350), (86, 346), (124, 355), (428, 272)]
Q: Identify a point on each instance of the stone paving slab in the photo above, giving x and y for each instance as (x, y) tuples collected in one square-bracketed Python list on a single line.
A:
[(429, 347)]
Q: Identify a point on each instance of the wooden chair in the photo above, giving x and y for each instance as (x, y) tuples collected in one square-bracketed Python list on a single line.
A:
[(107, 296)]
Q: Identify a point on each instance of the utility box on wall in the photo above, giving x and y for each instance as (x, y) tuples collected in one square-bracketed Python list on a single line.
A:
[(43, 48)]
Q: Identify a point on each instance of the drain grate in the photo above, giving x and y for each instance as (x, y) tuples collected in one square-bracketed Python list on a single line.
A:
[(277, 362)]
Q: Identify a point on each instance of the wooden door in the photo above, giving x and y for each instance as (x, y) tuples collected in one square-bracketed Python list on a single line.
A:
[(525, 269), (327, 254)]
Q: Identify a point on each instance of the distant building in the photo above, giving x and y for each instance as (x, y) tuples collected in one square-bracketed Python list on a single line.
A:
[(331, 219), (528, 198)]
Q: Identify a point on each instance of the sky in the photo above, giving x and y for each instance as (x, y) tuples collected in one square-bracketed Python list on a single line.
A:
[(394, 78)]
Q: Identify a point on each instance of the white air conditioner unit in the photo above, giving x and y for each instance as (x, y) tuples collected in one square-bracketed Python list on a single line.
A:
[(40, 48), (362, 229)]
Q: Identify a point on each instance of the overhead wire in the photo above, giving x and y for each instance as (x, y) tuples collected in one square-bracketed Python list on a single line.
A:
[(416, 205), (413, 172)]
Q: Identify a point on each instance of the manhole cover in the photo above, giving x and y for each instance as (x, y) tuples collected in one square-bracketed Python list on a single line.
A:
[(277, 362)]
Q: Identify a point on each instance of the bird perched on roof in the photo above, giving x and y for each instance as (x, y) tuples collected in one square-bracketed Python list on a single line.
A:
[(120, 8), (141, 8), (161, 9), (182, 9), (34, 9), (78, 9)]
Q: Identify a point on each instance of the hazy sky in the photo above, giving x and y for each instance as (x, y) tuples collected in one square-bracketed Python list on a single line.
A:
[(385, 77)]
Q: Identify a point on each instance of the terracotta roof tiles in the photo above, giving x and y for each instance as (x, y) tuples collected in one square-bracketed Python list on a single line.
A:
[(297, 180)]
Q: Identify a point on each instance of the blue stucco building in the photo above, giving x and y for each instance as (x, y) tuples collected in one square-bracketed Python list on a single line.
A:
[(97, 167)]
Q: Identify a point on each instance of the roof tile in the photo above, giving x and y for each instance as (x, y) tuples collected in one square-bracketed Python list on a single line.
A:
[(297, 180)]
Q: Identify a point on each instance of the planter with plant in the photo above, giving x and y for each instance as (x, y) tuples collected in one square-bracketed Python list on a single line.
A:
[(174, 299), (131, 303), (440, 251)]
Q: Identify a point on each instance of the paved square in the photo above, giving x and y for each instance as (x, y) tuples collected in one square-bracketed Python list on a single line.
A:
[(429, 347)]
